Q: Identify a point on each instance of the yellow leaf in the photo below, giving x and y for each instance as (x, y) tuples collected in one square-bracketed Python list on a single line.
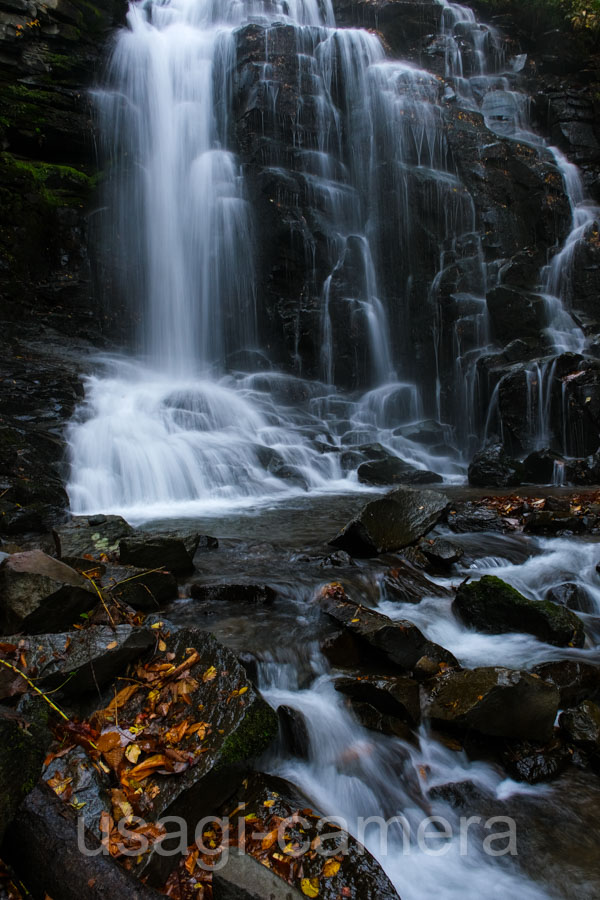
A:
[(355, 620), (331, 868), (133, 753), (210, 674), (162, 646), (269, 803), (243, 690), (310, 887), (157, 625), (78, 804), (111, 646)]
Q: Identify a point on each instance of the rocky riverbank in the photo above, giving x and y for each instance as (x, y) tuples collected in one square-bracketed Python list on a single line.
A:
[(125, 709)]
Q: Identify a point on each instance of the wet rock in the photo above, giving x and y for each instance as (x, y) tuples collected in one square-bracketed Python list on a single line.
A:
[(271, 800), (573, 596), (540, 466), (146, 591), (585, 471), (81, 661), (467, 516), (82, 782), (39, 593), (393, 696), (581, 725), (492, 467), (24, 740), (293, 731), (399, 641), (440, 553), (515, 314), (235, 593), (494, 607), (82, 565), (392, 522), (341, 649), (395, 471), (374, 720), (408, 585), (534, 764), (494, 701), (575, 680), (157, 553), (552, 523), (244, 878), (336, 560), (90, 534)]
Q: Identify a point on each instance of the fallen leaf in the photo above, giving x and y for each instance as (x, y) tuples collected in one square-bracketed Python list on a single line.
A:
[(331, 868), (310, 887), (133, 753), (210, 674)]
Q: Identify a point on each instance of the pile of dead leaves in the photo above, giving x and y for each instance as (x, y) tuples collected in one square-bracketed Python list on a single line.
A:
[(159, 736)]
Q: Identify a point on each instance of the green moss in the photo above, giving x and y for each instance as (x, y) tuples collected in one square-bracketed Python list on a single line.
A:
[(253, 735), (56, 185)]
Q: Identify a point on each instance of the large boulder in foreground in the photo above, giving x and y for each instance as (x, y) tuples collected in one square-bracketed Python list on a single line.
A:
[(391, 522), (158, 552), (202, 723), (399, 641), (494, 607), (41, 594), (495, 702)]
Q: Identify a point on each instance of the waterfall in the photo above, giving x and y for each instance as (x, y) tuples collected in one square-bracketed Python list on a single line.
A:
[(200, 417)]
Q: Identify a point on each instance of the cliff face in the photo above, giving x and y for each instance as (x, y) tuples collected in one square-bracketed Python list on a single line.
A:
[(50, 54)]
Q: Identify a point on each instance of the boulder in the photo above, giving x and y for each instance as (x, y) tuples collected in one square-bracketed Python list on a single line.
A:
[(146, 590), (393, 696), (552, 523), (581, 725), (494, 607), (492, 467), (157, 552), (80, 661), (276, 809), (41, 594), (440, 553), (495, 702), (467, 516), (399, 641), (541, 465), (575, 680), (374, 720), (408, 585), (573, 596), (236, 593), (202, 684), (395, 471), (90, 534), (391, 522)]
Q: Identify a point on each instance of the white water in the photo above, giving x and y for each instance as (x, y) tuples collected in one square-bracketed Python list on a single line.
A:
[(176, 432)]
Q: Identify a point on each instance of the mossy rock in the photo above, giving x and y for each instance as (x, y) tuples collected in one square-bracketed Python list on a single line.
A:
[(24, 740), (494, 607)]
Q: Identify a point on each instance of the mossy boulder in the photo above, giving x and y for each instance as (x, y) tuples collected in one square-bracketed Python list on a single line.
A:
[(494, 607), (495, 702)]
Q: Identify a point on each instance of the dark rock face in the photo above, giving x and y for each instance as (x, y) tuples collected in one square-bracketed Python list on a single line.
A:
[(91, 535), (494, 607), (576, 681), (397, 697), (527, 762), (492, 467), (405, 583), (496, 702), (236, 593), (24, 740), (395, 471), (393, 522), (400, 642), (573, 596), (515, 314), (39, 593)]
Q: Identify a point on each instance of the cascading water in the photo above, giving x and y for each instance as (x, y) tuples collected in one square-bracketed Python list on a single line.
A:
[(186, 427)]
